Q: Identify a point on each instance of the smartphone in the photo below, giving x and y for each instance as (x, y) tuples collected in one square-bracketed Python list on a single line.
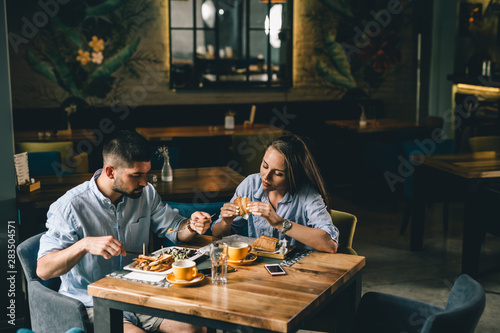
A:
[(208, 271), (275, 269)]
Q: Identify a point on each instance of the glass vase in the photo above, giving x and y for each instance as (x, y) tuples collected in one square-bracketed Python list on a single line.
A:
[(167, 174)]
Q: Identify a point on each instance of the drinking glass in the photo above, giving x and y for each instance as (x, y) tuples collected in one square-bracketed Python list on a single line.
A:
[(218, 257)]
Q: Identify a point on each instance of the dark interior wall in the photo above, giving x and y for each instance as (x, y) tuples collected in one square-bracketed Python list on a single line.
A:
[(164, 106)]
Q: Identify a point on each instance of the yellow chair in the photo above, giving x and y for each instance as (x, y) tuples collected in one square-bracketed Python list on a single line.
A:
[(346, 223), (69, 162), (248, 150), (484, 143)]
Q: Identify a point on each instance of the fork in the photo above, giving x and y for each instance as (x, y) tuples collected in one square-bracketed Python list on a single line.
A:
[(189, 223)]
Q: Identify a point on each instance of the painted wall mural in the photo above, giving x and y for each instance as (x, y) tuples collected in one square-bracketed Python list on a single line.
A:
[(84, 50), (362, 49)]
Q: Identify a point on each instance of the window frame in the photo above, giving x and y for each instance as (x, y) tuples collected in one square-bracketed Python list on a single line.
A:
[(193, 83)]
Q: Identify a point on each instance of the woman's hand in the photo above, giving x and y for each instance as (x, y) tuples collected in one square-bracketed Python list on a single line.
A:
[(266, 211), (228, 212)]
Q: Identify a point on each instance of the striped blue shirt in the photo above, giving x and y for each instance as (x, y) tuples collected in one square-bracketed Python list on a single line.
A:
[(85, 212)]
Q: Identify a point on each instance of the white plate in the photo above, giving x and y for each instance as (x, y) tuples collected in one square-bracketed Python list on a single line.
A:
[(131, 266)]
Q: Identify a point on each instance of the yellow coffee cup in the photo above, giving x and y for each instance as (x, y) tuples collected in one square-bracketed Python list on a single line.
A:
[(238, 250), (184, 270)]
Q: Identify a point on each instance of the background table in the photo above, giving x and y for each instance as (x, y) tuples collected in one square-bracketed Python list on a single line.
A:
[(252, 300), (457, 176), (169, 133), (372, 125), (73, 135)]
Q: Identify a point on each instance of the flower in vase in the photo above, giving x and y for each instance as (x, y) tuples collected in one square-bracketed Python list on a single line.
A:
[(162, 151)]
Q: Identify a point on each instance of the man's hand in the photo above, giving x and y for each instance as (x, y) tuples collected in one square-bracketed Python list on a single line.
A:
[(200, 222), (106, 246), (57, 263)]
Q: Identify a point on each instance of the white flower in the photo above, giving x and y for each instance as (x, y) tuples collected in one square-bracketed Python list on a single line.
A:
[(97, 57)]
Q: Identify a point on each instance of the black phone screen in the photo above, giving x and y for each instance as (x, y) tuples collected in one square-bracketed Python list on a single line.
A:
[(275, 269)]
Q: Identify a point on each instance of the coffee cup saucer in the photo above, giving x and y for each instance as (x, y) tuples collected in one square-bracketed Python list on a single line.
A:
[(198, 278), (248, 260)]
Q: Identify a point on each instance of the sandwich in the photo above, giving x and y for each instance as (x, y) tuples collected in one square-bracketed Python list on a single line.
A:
[(267, 244), (242, 203)]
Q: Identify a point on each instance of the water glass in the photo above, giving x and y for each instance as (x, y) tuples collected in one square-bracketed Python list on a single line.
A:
[(218, 257)]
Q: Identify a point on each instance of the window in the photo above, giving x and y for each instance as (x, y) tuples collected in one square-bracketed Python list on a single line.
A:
[(230, 43)]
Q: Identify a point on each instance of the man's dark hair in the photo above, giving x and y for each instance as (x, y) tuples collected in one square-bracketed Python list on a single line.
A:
[(124, 148)]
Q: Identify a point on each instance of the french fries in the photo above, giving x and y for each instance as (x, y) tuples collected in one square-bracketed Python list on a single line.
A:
[(154, 264)]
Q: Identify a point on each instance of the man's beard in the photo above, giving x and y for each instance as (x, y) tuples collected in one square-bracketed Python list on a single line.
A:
[(131, 194)]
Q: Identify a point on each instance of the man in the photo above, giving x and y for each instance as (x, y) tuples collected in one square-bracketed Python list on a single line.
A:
[(92, 226)]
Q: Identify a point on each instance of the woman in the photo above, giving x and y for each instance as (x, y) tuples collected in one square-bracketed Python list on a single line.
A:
[(289, 199)]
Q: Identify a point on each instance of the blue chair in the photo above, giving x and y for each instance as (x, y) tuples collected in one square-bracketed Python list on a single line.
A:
[(44, 163), (411, 148), (49, 310), (378, 312), (67, 161), (186, 209)]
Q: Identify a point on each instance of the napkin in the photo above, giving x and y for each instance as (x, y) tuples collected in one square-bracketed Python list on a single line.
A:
[(144, 277)]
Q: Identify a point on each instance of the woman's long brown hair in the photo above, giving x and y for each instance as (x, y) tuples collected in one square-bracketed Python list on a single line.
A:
[(300, 166)]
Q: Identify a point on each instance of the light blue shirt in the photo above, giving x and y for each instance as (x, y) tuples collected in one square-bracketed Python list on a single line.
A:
[(306, 207), (85, 212)]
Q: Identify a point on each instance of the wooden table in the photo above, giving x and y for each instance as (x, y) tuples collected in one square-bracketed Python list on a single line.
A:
[(39, 136), (372, 126), (169, 133), (213, 183), (459, 176), (252, 300)]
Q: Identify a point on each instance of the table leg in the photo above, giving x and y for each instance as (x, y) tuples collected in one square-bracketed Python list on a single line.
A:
[(418, 208), (347, 305), (417, 226), (107, 319), (473, 235)]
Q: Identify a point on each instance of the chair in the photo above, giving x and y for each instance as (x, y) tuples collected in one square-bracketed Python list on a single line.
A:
[(44, 163), (68, 161), (379, 312), (484, 143), (411, 148), (72, 330), (248, 150), (346, 223), (50, 311)]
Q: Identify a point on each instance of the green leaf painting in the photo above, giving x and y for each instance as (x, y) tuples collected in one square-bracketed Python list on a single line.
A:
[(366, 65), (40, 67), (333, 76), (83, 47), (104, 8), (339, 8)]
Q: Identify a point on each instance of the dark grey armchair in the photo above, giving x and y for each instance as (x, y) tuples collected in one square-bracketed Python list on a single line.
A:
[(379, 312), (49, 311)]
